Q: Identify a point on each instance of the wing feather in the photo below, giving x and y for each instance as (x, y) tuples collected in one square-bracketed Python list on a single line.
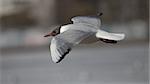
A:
[(110, 36), (94, 21), (61, 44)]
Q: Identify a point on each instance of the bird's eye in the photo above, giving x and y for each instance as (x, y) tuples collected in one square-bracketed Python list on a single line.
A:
[(54, 31)]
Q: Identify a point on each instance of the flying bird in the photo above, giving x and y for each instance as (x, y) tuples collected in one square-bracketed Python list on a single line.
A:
[(84, 29)]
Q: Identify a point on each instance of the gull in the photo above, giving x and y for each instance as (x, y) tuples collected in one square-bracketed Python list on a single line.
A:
[(83, 30)]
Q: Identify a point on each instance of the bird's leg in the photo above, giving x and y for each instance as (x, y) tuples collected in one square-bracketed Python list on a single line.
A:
[(108, 41)]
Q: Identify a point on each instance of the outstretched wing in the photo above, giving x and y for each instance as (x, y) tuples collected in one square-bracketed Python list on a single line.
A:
[(110, 36), (95, 21), (62, 43)]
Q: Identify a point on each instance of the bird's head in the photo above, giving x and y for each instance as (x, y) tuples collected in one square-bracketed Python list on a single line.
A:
[(54, 32)]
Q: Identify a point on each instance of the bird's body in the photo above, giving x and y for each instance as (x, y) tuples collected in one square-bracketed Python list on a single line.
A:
[(83, 30), (86, 28)]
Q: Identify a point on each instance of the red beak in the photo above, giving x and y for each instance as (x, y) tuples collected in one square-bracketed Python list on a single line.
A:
[(47, 35)]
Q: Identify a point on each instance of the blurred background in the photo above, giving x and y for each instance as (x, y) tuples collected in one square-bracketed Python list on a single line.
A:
[(24, 53)]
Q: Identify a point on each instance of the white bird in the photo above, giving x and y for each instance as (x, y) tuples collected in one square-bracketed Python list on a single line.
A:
[(85, 29)]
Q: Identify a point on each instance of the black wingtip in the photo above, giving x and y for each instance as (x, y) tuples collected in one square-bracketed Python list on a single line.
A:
[(108, 41), (68, 50), (100, 14)]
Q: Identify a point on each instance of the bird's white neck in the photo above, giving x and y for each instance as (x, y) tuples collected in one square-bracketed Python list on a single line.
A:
[(64, 28)]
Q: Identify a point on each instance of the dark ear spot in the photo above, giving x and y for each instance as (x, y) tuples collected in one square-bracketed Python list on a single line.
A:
[(54, 31)]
